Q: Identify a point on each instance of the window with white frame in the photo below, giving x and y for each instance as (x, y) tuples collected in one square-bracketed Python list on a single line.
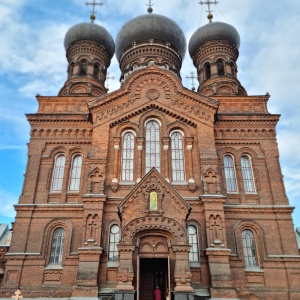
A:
[(177, 156), (230, 174), (249, 248), (247, 174), (57, 246), (152, 145), (194, 243), (114, 238), (75, 173), (128, 157), (58, 172)]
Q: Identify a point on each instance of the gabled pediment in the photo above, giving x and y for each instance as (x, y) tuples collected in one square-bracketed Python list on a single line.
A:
[(153, 197), (153, 86)]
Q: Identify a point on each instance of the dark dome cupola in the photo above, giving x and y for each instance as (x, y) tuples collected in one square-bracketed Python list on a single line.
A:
[(214, 50), (89, 49), (150, 39)]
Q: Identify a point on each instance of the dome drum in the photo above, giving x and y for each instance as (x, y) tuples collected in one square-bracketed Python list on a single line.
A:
[(158, 53)]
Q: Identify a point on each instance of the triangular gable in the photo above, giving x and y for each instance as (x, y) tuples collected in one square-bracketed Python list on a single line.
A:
[(148, 86), (153, 196)]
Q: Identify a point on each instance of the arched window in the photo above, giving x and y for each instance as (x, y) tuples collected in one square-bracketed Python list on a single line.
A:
[(230, 174), (177, 156), (75, 173), (58, 173), (114, 238), (71, 69), (83, 68), (220, 67), (207, 71), (96, 71), (57, 246), (247, 174), (249, 248), (152, 146), (127, 157), (193, 241)]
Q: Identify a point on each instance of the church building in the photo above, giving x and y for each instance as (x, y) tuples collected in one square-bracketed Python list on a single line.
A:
[(153, 185)]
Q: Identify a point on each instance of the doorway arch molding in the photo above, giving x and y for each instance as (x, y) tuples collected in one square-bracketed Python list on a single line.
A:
[(154, 224)]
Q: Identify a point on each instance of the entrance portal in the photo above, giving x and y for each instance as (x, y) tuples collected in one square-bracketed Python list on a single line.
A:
[(153, 272)]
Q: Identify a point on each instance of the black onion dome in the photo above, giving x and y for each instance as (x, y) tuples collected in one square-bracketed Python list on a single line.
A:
[(150, 26), (213, 31), (90, 32)]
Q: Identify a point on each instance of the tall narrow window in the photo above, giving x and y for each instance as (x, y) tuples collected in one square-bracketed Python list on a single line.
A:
[(247, 174), (128, 157), (193, 241), (220, 67), (230, 174), (57, 246), (96, 71), (58, 173), (114, 238), (177, 156), (152, 146), (249, 248), (75, 173), (207, 71), (83, 68)]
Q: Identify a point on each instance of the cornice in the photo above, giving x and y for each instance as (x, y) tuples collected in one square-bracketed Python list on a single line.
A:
[(258, 209)]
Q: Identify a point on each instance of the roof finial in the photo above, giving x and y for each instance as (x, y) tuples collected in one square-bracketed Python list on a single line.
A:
[(208, 3), (192, 77), (94, 4), (150, 9)]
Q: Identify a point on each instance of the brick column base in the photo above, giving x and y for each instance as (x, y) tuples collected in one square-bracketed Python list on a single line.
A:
[(221, 280), (87, 275)]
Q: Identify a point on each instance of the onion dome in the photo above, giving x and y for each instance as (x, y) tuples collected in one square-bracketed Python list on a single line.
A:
[(150, 27), (213, 31), (90, 32)]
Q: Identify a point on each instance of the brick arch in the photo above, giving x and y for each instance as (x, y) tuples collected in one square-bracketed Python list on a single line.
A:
[(178, 125), (126, 126), (154, 224), (248, 151), (153, 76), (57, 150), (259, 237), (48, 234)]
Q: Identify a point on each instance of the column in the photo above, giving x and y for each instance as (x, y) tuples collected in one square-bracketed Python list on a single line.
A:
[(189, 163), (166, 157), (140, 143), (115, 181)]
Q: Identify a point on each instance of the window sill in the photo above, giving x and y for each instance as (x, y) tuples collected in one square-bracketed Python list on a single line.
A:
[(179, 183), (127, 183), (255, 269), (194, 264), (54, 267), (112, 264)]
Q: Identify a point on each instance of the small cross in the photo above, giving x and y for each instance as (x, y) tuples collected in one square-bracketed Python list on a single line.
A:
[(193, 82), (150, 9), (94, 4), (208, 3), (17, 295), (107, 80)]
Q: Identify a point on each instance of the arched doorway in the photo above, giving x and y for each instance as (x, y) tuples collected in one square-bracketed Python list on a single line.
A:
[(154, 266)]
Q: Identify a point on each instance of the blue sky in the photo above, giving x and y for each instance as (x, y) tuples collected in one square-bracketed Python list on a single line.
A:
[(32, 60)]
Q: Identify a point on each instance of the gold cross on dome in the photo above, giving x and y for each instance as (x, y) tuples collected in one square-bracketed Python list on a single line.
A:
[(208, 3), (94, 4), (17, 295), (192, 77), (150, 9)]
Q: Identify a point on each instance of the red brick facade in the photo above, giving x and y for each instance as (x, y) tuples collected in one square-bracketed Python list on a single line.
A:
[(214, 124)]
